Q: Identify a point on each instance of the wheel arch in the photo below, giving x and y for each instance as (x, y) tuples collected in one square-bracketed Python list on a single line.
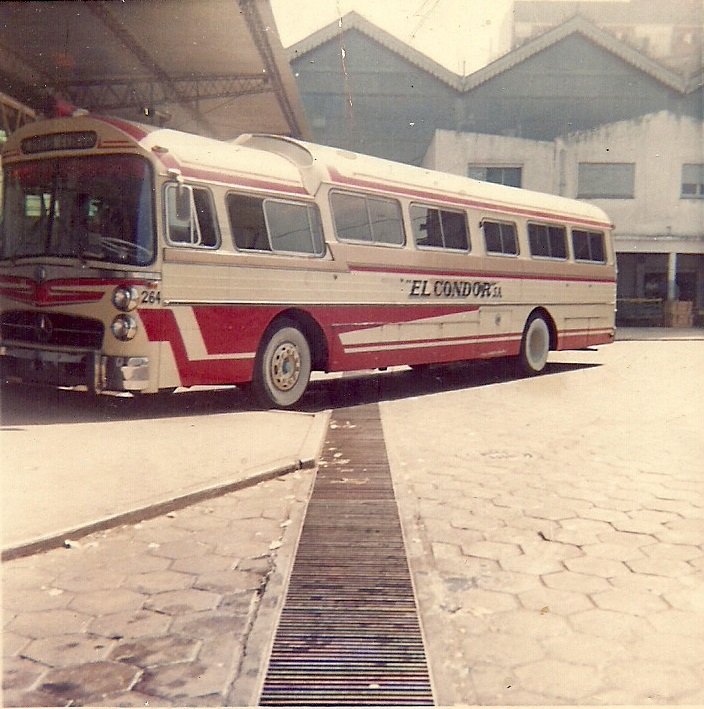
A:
[(311, 329), (549, 321)]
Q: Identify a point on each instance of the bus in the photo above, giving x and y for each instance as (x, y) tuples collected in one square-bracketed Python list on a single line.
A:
[(136, 259)]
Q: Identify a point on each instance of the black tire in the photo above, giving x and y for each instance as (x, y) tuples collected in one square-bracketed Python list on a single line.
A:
[(282, 367), (535, 346)]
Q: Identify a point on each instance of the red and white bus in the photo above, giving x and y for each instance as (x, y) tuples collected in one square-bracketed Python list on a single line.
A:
[(139, 259)]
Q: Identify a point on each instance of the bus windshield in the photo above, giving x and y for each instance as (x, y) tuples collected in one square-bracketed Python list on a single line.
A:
[(97, 207)]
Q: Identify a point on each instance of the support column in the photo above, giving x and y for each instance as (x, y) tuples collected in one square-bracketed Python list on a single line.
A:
[(672, 276)]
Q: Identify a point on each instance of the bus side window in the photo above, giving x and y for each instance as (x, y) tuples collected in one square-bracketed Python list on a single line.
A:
[(197, 226), (439, 228), (205, 214), (426, 226), (386, 222), (374, 220), (179, 226), (500, 237), (454, 229), (588, 245), (294, 228), (547, 241), (351, 217), (247, 222)]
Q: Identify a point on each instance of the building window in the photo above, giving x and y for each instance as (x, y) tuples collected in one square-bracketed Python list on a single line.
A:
[(500, 238), (547, 241), (368, 219), (598, 180), (588, 245), (439, 228), (507, 175), (693, 181)]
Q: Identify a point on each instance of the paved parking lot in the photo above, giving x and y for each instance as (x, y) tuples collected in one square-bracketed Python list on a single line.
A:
[(554, 529)]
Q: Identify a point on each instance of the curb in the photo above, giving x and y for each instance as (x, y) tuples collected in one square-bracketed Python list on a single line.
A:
[(308, 453), (148, 512), (247, 686)]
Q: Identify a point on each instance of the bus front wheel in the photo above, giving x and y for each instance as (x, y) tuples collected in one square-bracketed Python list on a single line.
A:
[(282, 367), (535, 346)]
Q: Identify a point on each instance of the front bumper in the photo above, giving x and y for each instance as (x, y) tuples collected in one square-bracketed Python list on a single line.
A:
[(73, 368)]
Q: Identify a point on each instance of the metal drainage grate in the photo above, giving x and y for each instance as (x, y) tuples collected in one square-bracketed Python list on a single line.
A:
[(349, 632)]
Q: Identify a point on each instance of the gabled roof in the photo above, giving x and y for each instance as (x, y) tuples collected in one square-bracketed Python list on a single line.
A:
[(582, 26), (576, 25), (355, 21)]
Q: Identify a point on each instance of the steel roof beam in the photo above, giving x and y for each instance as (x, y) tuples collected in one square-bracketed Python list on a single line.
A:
[(171, 91), (14, 114), (260, 35), (24, 80), (150, 93)]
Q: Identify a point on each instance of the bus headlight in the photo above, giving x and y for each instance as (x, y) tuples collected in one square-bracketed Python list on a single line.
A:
[(125, 298), (124, 327)]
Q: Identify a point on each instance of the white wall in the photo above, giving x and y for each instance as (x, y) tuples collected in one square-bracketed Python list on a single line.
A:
[(656, 220), (451, 151), (659, 144)]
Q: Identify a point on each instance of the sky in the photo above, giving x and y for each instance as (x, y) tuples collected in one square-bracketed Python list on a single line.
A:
[(462, 35)]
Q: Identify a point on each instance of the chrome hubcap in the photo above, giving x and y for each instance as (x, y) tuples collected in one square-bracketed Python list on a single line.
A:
[(285, 366)]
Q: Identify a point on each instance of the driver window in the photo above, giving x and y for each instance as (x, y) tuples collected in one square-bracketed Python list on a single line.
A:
[(194, 226)]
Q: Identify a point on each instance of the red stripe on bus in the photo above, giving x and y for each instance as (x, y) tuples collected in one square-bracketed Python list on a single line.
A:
[(50, 292), (111, 144), (161, 326), (59, 291), (483, 275), (135, 131), (431, 342), (437, 354), (337, 177), (243, 181), (238, 330), (222, 326)]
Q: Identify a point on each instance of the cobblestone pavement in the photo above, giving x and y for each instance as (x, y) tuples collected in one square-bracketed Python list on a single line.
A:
[(151, 614), (558, 551), (554, 529)]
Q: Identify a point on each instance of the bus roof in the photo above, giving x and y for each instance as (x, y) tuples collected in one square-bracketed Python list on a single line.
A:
[(355, 170), (294, 167), (193, 155)]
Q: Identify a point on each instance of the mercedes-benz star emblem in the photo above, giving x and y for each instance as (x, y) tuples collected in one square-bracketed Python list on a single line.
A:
[(44, 328)]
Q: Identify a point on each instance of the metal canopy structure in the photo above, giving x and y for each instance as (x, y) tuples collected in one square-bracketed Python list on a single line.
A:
[(213, 67)]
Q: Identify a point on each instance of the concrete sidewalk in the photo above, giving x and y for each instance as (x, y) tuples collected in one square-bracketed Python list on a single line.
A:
[(660, 333), (66, 479)]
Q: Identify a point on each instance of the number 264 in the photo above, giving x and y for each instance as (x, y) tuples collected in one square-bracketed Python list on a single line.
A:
[(150, 297)]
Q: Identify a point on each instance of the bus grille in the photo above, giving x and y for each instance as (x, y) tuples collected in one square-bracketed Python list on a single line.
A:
[(33, 327)]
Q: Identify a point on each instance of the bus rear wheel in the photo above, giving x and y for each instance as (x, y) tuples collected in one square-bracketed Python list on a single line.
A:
[(282, 367), (535, 346)]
